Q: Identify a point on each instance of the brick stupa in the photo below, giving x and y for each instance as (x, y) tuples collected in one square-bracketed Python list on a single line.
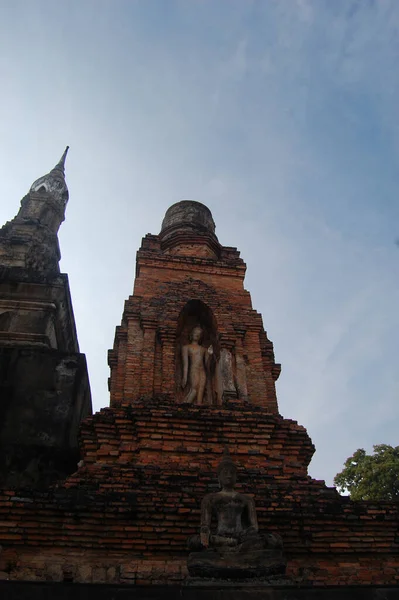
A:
[(147, 461)]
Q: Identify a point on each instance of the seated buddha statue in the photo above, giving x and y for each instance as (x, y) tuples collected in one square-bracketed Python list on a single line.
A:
[(235, 549)]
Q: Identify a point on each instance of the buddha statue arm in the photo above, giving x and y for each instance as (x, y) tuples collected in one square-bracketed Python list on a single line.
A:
[(208, 355), (184, 355), (252, 519), (206, 516)]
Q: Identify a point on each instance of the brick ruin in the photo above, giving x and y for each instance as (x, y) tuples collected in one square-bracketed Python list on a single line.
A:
[(44, 385), (124, 515)]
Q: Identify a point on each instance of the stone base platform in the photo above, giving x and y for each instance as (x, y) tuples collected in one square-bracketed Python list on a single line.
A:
[(238, 566), (10, 590)]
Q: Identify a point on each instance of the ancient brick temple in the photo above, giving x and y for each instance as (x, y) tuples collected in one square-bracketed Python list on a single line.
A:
[(192, 374), (44, 386)]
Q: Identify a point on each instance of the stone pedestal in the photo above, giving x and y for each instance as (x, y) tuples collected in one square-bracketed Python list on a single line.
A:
[(234, 565)]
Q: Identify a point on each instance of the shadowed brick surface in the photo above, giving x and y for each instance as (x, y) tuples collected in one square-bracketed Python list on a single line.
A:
[(147, 461)]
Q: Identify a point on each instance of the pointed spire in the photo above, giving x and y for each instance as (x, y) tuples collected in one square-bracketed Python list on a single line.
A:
[(54, 182), (60, 166)]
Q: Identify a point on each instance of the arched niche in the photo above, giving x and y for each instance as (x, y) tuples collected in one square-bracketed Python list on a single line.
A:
[(5, 320), (196, 313)]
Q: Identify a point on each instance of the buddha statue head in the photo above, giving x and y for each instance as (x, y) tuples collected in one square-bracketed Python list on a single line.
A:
[(227, 472), (196, 334)]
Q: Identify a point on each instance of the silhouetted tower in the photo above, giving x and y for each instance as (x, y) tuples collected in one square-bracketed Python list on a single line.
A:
[(30, 240), (44, 384)]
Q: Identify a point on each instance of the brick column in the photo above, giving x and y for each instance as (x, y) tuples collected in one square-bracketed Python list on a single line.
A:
[(135, 341), (158, 364), (168, 337), (148, 360), (256, 377), (117, 364), (241, 370)]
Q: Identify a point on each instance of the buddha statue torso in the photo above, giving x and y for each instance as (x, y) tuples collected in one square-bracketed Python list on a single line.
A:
[(235, 547), (195, 360), (234, 512)]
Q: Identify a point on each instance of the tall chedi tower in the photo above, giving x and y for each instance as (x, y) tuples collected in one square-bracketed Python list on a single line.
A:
[(193, 407), (44, 385), (186, 278)]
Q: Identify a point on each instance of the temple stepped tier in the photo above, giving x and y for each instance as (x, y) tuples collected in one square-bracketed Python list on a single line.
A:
[(125, 516), (193, 407), (164, 433)]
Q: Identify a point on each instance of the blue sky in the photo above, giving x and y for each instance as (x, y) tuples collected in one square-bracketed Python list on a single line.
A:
[(282, 117)]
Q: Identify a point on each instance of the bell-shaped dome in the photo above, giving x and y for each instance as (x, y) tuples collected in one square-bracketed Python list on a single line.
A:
[(188, 214), (189, 229)]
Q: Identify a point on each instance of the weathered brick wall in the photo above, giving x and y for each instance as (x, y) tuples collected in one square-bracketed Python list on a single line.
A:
[(44, 385), (44, 395), (126, 514), (147, 461), (165, 283)]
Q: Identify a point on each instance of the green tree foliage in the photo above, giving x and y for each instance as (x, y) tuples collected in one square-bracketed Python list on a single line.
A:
[(371, 476)]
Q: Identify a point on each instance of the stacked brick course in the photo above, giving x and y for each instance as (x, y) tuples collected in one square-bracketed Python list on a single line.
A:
[(149, 459)]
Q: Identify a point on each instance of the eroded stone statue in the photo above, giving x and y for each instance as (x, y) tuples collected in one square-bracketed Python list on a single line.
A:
[(235, 549), (195, 360)]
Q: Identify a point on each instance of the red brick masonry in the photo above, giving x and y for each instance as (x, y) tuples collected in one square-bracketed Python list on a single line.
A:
[(144, 360), (125, 515), (149, 459)]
